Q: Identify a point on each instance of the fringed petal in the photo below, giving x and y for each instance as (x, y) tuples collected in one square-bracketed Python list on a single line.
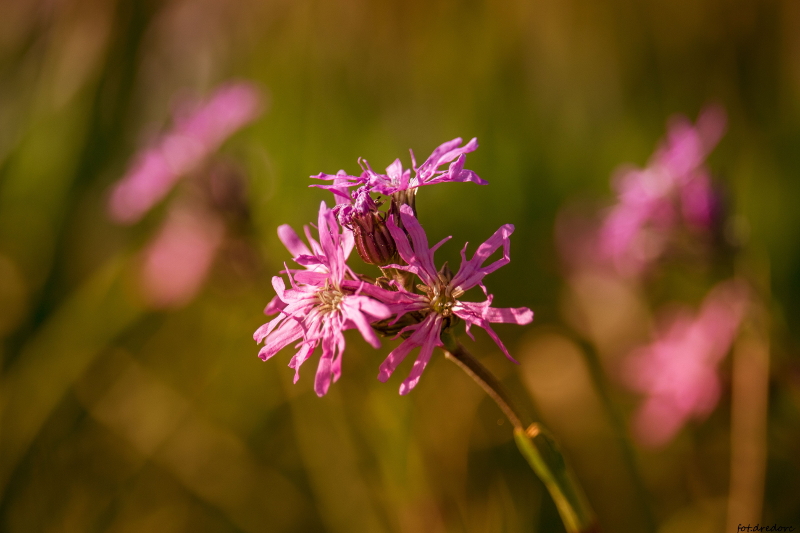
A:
[(472, 272), (429, 342)]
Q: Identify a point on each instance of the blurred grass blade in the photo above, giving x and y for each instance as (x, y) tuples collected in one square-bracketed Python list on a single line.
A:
[(57, 355)]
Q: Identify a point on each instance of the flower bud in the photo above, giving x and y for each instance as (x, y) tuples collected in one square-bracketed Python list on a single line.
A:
[(372, 238)]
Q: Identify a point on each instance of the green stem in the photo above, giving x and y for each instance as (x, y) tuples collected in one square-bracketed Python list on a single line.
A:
[(488, 383), (534, 442)]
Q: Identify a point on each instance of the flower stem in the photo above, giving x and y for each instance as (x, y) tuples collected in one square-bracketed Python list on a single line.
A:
[(488, 382), (535, 443)]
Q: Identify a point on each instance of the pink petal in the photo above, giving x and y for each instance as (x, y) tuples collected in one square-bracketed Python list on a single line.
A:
[(315, 247), (288, 331), (428, 328), (274, 306), (336, 365), (439, 244), (401, 241), (229, 108), (351, 310), (300, 357), (457, 173), (505, 315), (382, 295), (325, 238), (292, 241), (147, 182), (472, 272), (445, 153), (177, 261), (421, 332), (310, 260), (279, 286), (423, 258), (311, 278), (157, 169), (429, 342), (267, 328), (322, 381), (395, 171), (473, 319)]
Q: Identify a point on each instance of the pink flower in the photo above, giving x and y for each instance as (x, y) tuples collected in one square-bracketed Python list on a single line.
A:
[(441, 292), (177, 261), (325, 299), (678, 371), (397, 180), (430, 172), (636, 229), (196, 134)]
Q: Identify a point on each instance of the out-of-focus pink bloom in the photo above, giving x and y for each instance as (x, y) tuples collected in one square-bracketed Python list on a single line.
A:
[(397, 180), (322, 303), (177, 261), (441, 292), (678, 371), (196, 134), (652, 200)]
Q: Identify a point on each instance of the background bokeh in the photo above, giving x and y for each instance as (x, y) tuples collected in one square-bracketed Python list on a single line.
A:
[(118, 416)]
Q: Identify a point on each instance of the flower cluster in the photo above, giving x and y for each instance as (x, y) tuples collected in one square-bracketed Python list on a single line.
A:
[(667, 208), (327, 297), (178, 259), (674, 186)]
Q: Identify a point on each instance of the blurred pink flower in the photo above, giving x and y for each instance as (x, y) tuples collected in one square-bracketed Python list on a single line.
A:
[(322, 302), (678, 371), (441, 290), (636, 229), (197, 133), (176, 262)]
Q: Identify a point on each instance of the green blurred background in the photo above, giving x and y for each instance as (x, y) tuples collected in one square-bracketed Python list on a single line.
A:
[(117, 417)]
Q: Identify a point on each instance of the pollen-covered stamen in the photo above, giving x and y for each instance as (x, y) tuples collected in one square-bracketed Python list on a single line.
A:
[(329, 299), (442, 296)]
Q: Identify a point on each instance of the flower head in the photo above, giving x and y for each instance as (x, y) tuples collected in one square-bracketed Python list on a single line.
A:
[(324, 300), (441, 290), (652, 200), (678, 371), (358, 210), (396, 179)]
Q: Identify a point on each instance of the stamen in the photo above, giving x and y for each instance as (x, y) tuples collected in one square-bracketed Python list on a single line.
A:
[(442, 298), (329, 299)]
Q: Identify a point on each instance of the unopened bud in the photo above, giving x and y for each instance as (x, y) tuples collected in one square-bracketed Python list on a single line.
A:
[(373, 240)]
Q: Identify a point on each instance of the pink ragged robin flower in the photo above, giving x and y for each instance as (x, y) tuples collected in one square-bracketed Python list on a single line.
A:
[(176, 262), (197, 133), (324, 300), (358, 210), (677, 372), (675, 185), (441, 292), (396, 179)]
